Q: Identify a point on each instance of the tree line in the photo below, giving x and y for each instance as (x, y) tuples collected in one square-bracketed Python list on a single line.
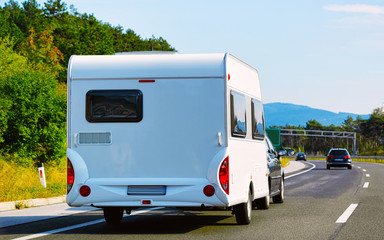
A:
[(36, 43), (369, 136), (49, 35)]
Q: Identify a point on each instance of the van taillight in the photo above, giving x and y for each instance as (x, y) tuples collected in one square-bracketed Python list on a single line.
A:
[(224, 175), (70, 175)]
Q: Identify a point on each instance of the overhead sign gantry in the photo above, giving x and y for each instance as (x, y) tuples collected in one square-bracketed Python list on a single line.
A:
[(320, 133)]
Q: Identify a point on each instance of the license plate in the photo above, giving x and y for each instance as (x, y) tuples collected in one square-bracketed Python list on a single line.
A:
[(146, 190)]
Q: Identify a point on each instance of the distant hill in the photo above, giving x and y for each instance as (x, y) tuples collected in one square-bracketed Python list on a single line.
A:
[(280, 114)]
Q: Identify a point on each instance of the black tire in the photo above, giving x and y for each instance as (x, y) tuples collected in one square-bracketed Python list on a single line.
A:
[(262, 203), (328, 167), (349, 167), (113, 215), (243, 211), (280, 197)]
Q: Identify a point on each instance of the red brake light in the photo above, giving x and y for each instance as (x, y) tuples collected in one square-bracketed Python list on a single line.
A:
[(70, 175), (146, 81), (146, 202), (347, 157), (331, 157), (224, 175), (209, 190), (85, 191)]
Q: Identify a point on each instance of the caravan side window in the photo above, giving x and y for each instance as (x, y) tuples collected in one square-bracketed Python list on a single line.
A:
[(258, 125), (114, 106), (238, 115)]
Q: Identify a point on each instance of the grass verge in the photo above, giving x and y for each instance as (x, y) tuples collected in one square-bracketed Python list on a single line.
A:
[(21, 183), (368, 160), (354, 159)]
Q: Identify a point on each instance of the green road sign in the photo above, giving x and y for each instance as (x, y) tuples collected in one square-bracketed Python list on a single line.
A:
[(274, 136)]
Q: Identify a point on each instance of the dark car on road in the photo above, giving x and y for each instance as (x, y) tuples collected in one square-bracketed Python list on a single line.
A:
[(275, 179), (301, 156), (339, 157)]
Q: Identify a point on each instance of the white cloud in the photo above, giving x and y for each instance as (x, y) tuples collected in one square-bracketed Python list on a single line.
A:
[(356, 8)]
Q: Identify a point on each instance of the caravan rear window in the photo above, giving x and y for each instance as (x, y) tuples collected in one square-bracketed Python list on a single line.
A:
[(238, 115), (114, 106)]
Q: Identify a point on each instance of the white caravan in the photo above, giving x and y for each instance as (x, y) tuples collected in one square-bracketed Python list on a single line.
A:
[(165, 130)]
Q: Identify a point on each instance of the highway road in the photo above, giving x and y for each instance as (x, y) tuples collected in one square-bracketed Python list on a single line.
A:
[(319, 204)]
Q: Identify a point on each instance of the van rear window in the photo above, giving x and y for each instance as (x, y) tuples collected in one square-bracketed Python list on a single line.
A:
[(114, 106)]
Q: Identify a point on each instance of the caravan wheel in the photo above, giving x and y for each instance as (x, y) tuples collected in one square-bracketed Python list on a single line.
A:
[(243, 211), (113, 215)]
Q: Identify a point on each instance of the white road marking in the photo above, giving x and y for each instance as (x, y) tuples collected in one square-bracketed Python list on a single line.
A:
[(358, 167), (366, 184), (34, 214), (367, 175), (347, 213), (293, 175), (364, 170), (59, 230), (80, 225)]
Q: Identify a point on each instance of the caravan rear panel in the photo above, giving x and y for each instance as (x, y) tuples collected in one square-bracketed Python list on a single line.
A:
[(155, 129)]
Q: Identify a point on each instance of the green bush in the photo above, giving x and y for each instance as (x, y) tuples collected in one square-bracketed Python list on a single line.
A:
[(32, 111)]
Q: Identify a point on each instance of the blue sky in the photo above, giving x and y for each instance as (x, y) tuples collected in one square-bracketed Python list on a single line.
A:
[(323, 54)]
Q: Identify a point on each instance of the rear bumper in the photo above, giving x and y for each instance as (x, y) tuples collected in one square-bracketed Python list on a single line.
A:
[(339, 164), (178, 193)]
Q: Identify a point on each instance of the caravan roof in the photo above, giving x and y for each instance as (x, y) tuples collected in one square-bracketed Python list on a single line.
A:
[(134, 66)]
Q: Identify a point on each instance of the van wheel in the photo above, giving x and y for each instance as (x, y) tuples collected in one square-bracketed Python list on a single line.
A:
[(262, 203), (280, 197), (113, 215), (243, 211)]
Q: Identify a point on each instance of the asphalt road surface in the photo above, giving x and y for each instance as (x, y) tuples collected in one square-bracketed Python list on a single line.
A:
[(319, 204)]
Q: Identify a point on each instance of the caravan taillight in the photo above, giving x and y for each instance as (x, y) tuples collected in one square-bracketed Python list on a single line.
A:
[(85, 191), (224, 175), (70, 175), (146, 81), (209, 190)]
